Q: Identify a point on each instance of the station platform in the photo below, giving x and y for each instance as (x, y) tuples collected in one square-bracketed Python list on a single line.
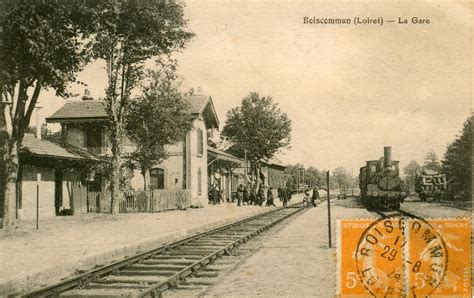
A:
[(306, 265), (65, 246)]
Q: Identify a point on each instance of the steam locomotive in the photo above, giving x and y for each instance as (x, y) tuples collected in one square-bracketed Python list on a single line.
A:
[(380, 185)]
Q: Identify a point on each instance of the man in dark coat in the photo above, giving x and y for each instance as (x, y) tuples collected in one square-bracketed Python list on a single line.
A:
[(240, 195), (315, 196), (253, 196), (280, 193), (270, 197), (284, 194), (246, 196), (260, 195), (213, 195)]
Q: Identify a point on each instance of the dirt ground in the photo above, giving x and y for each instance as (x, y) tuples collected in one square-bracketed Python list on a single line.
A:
[(432, 209), (295, 262)]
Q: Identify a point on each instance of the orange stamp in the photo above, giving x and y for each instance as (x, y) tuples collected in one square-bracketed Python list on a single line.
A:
[(404, 257)]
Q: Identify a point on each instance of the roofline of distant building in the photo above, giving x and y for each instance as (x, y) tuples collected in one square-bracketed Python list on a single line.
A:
[(75, 119), (274, 165)]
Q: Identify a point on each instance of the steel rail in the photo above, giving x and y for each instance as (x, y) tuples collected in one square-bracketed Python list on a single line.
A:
[(396, 212), (155, 291), (85, 278)]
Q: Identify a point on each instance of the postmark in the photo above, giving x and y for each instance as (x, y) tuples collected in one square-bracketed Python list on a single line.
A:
[(400, 256)]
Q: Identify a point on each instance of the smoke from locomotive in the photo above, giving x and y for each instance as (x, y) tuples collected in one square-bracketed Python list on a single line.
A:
[(380, 185)]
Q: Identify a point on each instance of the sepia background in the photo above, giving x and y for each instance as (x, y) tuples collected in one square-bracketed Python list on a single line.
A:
[(349, 90)]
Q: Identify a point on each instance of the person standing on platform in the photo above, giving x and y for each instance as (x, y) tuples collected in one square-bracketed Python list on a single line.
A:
[(315, 196), (260, 196), (246, 196), (253, 196), (280, 193), (270, 197), (284, 194), (240, 195), (288, 194), (213, 196)]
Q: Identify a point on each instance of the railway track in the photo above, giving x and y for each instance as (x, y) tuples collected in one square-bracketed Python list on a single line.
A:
[(150, 273), (385, 214)]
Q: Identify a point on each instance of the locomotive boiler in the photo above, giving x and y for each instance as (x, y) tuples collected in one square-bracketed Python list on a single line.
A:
[(380, 185)]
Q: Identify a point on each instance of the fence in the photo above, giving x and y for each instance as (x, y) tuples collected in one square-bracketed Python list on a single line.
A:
[(98, 201), (140, 201)]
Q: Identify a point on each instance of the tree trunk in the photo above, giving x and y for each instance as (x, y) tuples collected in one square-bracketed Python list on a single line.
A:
[(10, 144), (11, 166), (115, 177), (257, 174), (144, 178)]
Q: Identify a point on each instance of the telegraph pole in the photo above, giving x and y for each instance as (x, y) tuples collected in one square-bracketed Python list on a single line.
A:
[(329, 208), (304, 188), (245, 169), (298, 179)]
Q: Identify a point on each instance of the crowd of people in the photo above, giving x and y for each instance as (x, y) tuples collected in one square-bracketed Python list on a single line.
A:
[(259, 197)]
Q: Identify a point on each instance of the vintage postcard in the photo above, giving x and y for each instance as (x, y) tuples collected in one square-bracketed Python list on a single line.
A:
[(236, 148)]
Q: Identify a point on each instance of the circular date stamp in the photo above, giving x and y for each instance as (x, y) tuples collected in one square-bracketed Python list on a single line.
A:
[(400, 256)]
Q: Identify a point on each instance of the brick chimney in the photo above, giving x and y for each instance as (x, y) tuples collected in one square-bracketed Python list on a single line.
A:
[(87, 95)]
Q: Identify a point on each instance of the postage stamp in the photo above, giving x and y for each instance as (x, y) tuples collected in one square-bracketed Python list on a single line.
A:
[(398, 256)]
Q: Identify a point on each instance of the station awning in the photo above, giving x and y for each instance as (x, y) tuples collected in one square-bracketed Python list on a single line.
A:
[(221, 155)]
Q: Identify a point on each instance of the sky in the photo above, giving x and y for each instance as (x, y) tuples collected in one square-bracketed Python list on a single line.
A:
[(349, 90)]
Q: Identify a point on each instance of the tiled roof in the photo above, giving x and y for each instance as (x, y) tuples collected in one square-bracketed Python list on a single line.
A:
[(195, 102), (96, 108), (80, 109), (36, 146), (203, 104)]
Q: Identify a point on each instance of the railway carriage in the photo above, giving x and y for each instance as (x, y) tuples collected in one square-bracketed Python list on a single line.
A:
[(380, 185), (430, 183)]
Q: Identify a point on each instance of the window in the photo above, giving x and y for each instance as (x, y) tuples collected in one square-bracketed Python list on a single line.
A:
[(93, 139), (157, 179), (200, 142), (199, 181)]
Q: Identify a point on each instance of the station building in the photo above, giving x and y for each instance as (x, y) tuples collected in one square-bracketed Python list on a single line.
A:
[(83, 126), (273, 173), (47, 178), (64, 176), (226, 172)]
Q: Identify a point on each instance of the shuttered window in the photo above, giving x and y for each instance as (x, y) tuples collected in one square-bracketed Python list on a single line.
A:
[(200, 142), (157, 179), (199, 181)]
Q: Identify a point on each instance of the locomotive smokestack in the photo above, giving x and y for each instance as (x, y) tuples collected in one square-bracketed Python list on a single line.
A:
[(387, 156)]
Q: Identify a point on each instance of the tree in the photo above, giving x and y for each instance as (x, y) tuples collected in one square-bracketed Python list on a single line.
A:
[(313, 176), (457, 161), (257, 128), (341, 177), (129, 33), (431, 162), (41, 47), (410, 171), (158, 117)]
